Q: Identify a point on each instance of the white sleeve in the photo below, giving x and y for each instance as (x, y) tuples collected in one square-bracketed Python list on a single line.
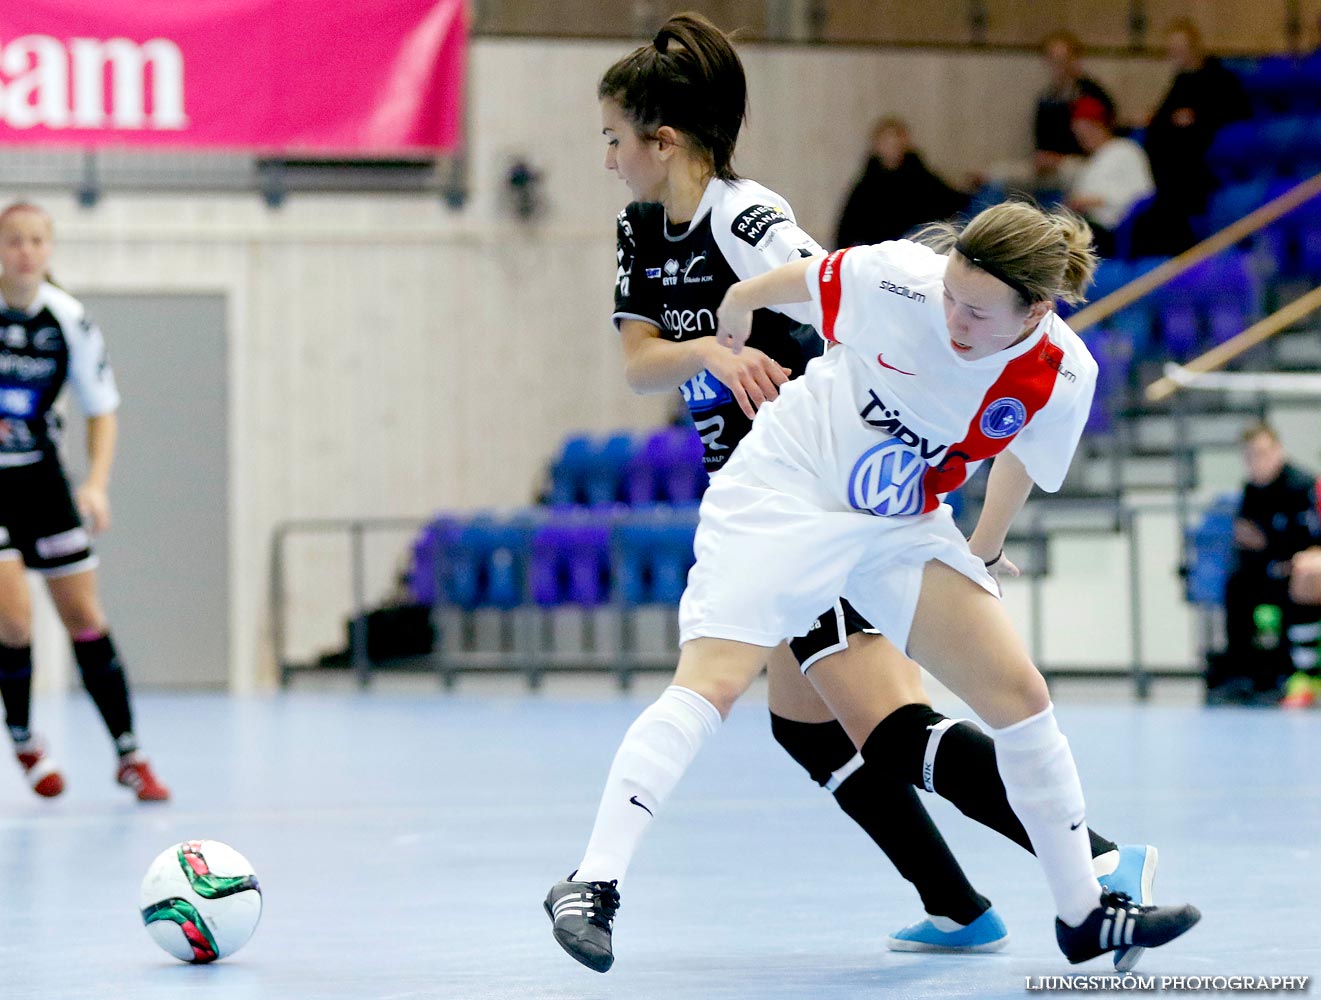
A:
[(759, 238), (1047, 444), (89, 368), (839, 285)]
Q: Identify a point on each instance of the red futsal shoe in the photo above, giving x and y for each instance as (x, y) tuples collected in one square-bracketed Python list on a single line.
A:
[(43, 774), (136, 773)]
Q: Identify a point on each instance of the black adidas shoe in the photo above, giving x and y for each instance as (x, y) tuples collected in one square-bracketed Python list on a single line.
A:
[(1121, 923), (584, 915)]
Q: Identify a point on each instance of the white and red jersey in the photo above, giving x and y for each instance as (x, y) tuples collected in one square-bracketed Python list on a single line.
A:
[(893, 418)]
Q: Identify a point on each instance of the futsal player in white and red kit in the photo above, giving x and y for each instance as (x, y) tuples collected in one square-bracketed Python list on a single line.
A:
[(946, 354)]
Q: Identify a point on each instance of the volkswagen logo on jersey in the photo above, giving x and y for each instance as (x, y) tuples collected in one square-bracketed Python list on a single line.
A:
[(887, 480), (18, 403), (1004, 418), (705, 392)]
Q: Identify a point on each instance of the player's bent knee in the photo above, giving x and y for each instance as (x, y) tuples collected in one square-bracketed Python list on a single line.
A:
[(80, 624), (15, 634), (1023, 695), (720, 691), (719, 670)]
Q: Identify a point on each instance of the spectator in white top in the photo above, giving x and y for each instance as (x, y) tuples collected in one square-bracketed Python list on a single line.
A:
[(1115, 176)]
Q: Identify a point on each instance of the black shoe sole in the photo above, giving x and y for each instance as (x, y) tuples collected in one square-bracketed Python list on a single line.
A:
[(600, 963)]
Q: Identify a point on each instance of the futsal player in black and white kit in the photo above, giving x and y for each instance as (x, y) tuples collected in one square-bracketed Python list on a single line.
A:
[(671, 113), (46, 341)]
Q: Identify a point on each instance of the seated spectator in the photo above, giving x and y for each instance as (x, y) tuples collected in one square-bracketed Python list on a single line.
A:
[(1056, 145), (896, 191), (1270, 635), (1203, 97), (1113, 178)]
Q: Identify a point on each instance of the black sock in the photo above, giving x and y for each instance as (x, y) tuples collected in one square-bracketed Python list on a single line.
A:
[(891, 814), (103, 676), (16, 690), (963, 771)]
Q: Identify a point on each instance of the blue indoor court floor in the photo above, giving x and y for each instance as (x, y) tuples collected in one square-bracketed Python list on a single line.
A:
[(405, 839)]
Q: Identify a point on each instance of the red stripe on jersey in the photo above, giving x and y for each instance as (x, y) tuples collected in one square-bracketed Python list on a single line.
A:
[(829, 280), (1030, 379)]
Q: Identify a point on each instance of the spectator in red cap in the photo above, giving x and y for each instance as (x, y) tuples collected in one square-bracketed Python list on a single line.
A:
[(1113, 178), (1055, 147)]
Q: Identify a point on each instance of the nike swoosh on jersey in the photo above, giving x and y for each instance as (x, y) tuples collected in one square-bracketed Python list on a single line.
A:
[(880, 360)]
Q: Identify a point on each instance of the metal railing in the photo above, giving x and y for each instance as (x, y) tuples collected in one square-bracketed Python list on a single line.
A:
[(524, 644), (356, 530)]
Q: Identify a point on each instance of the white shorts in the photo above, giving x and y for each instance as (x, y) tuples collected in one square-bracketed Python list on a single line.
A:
[(768, 562)]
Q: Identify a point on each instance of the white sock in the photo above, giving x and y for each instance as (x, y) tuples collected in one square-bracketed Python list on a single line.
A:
[(653, 756), (1041, 783)]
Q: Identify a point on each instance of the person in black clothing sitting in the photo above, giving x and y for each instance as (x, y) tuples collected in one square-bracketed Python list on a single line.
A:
[(1053, 137), (1269, 636), (896, 193), (1203, 97)]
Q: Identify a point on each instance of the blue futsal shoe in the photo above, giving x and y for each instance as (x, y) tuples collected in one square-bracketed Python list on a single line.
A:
[(1133, 876), (986, 933)]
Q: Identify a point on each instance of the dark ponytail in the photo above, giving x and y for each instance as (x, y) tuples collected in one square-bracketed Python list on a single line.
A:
[(690, 78)]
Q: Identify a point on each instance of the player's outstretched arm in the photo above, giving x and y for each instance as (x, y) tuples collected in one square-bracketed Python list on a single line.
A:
[(654, 364), (1007, 489), (785, 284)]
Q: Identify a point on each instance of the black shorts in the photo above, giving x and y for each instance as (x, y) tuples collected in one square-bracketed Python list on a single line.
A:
[(39, 522), (829, 634)]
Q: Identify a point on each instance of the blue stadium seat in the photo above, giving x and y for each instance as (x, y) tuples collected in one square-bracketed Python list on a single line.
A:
[(1114, 357), (1273, 85), (1233, 155), (1230, 204), (1126, 230), (430, 548), (1223, 287), (653, 553), (486, 564), (1210, 552), (569, 560), (568, 473)]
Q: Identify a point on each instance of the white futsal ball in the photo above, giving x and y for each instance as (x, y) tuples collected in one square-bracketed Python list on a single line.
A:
[(200, 900)]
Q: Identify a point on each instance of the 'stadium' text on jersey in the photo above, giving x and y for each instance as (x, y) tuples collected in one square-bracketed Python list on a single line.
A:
[(675, 276)]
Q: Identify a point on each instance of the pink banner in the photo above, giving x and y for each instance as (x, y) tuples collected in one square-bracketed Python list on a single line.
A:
[(344, 77)]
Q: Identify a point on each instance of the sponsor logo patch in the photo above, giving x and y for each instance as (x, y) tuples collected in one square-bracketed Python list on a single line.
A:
[(887, 480), (704, 392), (903, 290), (1004, 418), (753, 224), (18, 403)]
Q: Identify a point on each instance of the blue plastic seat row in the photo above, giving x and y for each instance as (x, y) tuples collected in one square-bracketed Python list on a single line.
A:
[(664, 466), (1282, 146), (1280, 84), (1204, 306), (581, 557)]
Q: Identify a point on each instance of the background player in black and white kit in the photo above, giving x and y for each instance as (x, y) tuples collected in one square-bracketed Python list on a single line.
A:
[(671, 113), (46, 342)]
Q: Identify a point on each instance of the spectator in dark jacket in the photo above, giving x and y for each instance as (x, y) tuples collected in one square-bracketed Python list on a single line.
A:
[(1203, 98), (896, 191), (1269, 635), (1053, 137)]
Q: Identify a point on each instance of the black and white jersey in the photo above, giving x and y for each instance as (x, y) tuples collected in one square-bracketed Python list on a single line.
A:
[(41, 348), (675, 280)]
